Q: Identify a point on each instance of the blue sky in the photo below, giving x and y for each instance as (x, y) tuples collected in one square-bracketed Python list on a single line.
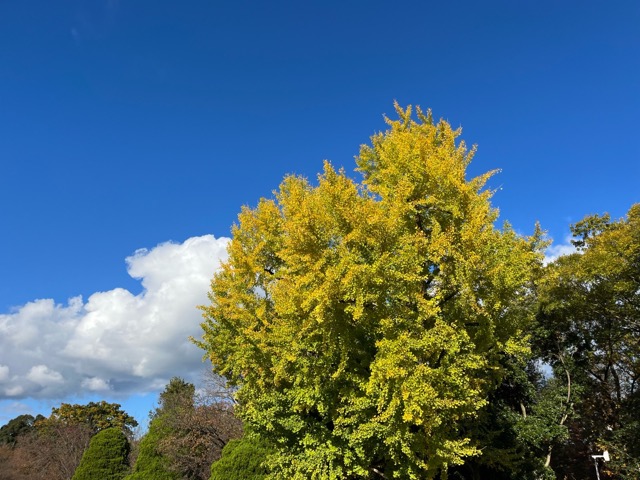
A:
[(129, 124)]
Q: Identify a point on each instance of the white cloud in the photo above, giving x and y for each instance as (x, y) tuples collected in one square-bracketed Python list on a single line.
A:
[(44, 376), (553, 252), (95, 384), (115, 340)]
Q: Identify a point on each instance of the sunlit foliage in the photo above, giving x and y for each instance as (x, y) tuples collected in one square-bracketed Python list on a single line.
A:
[(363, 321)]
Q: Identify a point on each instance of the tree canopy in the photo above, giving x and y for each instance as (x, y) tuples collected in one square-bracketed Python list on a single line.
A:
[(16, 427), (363, 321), (242, 459), (150, 463), (106, 457), (186, 435), (96, 415), (387, 328), (590, 334)]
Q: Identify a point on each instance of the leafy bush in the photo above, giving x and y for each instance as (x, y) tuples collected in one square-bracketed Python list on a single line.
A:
[(151, 464), (106, 457), (242, 459)]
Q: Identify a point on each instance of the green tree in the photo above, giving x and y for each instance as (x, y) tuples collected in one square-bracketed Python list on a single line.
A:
[(364, 322), (242, 459), (185, 435), (96, 415), (590, 333), (177, 395), (151, 464), (16, 427), (516, 427), (106, 457)]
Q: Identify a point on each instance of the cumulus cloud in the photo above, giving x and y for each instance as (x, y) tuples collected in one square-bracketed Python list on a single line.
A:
[(44, 376), (555, 251), (114, 341), (95, 384)]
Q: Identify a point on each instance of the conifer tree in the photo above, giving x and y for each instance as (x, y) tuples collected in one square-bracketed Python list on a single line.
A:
[(106, 458), (242, 459)]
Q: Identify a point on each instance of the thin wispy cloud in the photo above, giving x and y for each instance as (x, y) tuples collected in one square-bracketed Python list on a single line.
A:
[(94, 20), (115, 341)]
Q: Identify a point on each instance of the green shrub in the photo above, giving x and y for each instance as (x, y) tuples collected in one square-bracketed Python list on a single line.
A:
[(106, 457), (242, 459), (151, 464)]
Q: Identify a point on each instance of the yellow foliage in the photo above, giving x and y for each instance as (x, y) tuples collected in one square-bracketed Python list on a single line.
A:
[(363, 320)]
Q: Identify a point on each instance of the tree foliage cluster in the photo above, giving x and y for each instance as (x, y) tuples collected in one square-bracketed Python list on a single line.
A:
[(186, 435), (106, 458), (51, 448), (242, 459), (589, 333), (95, 415), (364, 322), (388, 328)]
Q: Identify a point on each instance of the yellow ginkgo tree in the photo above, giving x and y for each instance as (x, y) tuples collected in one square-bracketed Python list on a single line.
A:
[(362, 322)]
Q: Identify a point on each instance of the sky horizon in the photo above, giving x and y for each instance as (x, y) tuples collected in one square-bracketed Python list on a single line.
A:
[(133, 133)]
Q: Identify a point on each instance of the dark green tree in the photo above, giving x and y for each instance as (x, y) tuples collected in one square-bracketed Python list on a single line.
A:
[(590, 334), (16, 427), (177, 395), (185, 436), (242, 459), (151, 464), (106, 458), (516, 428)]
